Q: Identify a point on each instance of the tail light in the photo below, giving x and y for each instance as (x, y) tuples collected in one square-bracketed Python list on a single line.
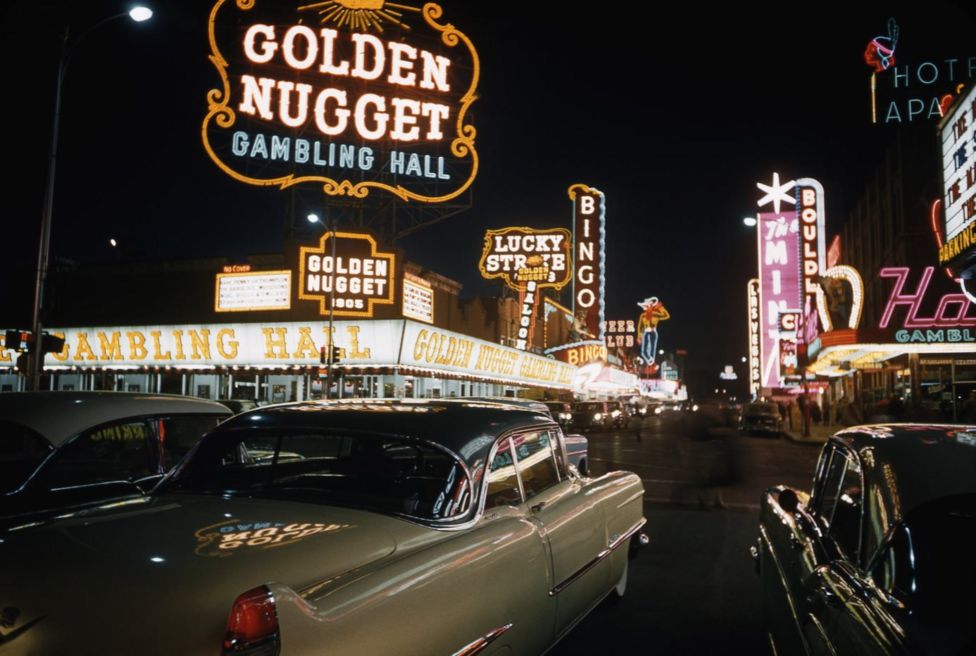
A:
[(252, 627)]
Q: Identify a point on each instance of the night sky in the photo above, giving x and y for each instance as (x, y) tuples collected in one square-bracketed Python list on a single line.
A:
[(674, 117)]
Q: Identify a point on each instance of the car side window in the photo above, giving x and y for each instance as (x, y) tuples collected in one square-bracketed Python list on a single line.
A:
[(535, 462), (21, 451), (178, 434), (557, 448), (117, 451), (840, 502), (503, 486)]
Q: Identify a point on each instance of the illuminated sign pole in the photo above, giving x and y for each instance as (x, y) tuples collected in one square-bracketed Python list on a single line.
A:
[(755, 345), (589, 243), (778, 248), (527, 260)]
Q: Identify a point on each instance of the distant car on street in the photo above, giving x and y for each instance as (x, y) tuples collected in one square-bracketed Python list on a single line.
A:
[(877, 559), (761, 418), (61, 450), (592, 415), (562, 412), (364, 527)]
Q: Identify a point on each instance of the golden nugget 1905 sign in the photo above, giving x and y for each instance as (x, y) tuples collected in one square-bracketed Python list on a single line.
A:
[(352, 95)]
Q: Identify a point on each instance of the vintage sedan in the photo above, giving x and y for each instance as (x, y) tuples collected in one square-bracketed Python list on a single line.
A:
[(762, 418), (878, 558), (427, 527), (62, 449)]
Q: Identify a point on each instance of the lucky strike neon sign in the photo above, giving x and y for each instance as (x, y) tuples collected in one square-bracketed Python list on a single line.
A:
[(521, 255), (340, 105)]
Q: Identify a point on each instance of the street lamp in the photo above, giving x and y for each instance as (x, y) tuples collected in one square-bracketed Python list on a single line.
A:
[(36, 361), (314, 218)]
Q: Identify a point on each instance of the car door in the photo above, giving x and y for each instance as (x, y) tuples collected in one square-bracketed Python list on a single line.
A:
[(570, 519), (831, 560)]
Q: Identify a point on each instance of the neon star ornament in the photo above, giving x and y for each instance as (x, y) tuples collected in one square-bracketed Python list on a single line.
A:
[(776, 193)]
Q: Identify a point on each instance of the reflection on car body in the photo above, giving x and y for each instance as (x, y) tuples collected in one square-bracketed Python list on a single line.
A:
[(341, 524), (62, 449), (877, 559)]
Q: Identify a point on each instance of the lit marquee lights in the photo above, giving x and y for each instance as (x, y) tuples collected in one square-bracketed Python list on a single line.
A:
[(340, 105)]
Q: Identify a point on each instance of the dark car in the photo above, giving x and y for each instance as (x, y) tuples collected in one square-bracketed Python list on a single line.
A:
[(878, 558), (619, 414), (591, 414), (761, 418), (62, 449), (562, 412)]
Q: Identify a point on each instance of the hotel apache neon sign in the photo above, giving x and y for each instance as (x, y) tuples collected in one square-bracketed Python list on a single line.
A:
[(353, 95)]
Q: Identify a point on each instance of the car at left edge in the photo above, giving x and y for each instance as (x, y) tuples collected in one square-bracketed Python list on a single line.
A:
[(358, 527), (61, 450)]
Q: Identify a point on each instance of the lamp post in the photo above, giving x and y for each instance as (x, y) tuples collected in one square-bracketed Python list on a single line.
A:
[(36, 359), (314, 218)]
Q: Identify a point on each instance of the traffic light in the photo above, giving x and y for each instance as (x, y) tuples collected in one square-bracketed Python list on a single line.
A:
[(18, 340), (323, 355), (51, 343)]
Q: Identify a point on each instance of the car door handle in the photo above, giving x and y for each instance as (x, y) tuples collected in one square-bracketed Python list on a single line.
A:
[(537, 507)]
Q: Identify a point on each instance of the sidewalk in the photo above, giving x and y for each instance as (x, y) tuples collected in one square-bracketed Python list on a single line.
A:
[(818, 433)]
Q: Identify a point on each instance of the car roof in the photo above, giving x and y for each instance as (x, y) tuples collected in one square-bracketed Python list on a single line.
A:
[(916, 463), (467, 428), (59, 416)]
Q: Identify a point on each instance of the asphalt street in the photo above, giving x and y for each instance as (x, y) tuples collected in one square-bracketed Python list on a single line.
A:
[(693, 589)]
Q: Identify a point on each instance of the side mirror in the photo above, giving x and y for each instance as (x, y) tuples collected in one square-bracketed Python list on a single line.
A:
[(788, 500)]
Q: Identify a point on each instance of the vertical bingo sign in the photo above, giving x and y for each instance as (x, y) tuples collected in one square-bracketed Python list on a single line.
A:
[(589, 235)]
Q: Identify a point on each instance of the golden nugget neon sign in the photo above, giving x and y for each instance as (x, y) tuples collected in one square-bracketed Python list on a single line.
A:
[(349, 103)]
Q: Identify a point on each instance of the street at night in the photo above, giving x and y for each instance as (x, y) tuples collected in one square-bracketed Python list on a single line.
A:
[(455, 328)]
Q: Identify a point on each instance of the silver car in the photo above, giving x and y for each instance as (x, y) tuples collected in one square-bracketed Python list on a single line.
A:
[(65, 449)]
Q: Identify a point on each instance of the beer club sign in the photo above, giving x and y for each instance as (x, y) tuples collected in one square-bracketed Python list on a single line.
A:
[(352, 95)]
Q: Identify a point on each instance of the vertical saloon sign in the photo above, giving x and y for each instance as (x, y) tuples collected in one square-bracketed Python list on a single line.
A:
[(352, 95)]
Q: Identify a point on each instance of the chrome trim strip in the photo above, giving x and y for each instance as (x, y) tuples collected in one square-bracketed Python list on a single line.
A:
[(477, 646), (599, 557)]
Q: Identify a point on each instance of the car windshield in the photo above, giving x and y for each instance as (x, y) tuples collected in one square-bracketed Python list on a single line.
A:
[(21, 453), (381, 473)]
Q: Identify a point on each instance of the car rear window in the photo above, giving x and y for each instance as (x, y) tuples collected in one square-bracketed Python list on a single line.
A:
[(382, 473), (21, 452)]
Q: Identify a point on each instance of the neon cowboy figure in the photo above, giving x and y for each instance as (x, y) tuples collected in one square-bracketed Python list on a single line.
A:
[(653, 312)]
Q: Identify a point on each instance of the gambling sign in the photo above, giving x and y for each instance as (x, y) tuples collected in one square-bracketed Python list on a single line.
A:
[(353, 275), (351, 95), (521, 255)]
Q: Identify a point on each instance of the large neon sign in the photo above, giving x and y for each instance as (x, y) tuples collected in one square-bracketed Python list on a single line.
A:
[(952, 311), (778, 247), (346, 278), (589, 239), (373, 96), (959, 182), (521, 255)]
